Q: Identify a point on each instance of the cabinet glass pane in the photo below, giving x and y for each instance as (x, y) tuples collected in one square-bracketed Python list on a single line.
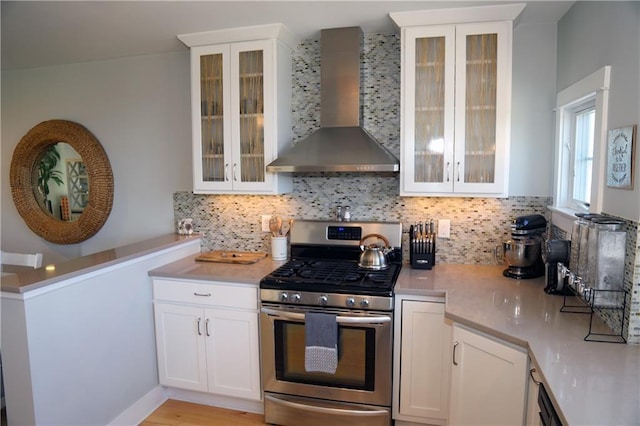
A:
[(480, 126), (213, 166), (252, 167), (429, 110)]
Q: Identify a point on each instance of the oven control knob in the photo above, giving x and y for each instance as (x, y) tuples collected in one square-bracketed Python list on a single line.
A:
[(296, 298), (364, 303), (324, 299), (351, 302), (284, 297)]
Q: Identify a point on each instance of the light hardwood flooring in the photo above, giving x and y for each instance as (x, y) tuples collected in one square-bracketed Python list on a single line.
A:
[(180, 413)]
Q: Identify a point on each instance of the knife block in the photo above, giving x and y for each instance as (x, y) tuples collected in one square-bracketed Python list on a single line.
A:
[(422, 260)]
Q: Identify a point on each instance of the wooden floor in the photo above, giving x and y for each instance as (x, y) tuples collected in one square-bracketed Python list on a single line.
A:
[(180, 413)]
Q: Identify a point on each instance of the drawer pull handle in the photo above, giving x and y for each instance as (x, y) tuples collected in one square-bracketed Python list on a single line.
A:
[(206, 327), (199, 330), (533, 370), (202, 294), (455, 345)]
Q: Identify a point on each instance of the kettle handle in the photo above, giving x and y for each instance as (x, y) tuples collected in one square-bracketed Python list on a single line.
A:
[(382, 237)]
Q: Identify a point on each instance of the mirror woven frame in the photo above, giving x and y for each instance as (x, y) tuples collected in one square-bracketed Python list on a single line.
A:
[(25, 156)]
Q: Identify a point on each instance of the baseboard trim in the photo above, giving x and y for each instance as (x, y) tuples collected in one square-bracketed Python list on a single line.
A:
[(140, 410), (216, 400)]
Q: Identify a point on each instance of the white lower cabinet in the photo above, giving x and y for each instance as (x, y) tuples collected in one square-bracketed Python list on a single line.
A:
[(533, 416), (422, 363), (207, 337), (488, 380)]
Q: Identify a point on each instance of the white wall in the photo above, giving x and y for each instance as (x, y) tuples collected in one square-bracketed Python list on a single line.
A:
[(590, 36), (532, 116), (138, 108), (82, 351)]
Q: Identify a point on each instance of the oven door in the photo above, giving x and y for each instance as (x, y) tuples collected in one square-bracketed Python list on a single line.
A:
[(364, 356)]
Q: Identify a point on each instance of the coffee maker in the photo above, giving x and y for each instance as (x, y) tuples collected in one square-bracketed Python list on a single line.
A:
[(523, 252), (556, 252)]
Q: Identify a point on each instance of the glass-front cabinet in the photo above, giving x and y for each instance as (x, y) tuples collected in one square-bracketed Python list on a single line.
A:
[(240, 110), (456, 100)]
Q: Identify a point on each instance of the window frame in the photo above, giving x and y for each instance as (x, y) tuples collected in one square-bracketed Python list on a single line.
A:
[(581, 110), (568, 102)]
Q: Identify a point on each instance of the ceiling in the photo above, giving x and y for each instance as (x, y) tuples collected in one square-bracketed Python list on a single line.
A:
[(43, 33)]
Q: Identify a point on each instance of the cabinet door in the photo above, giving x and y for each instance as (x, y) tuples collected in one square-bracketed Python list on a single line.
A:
[(533, 412), (232, 353), (180, 346), (488, 381), (211, 118), (483, 104), (428, 109), (251, 101), (425, 361)]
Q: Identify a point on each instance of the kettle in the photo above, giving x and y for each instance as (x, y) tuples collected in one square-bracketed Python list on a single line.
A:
[(374, 257)]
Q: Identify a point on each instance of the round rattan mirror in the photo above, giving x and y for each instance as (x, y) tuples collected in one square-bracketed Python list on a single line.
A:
[(28, 157)]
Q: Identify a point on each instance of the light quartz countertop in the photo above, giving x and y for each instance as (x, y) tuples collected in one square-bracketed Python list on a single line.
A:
[(590, 383), (32, 279)]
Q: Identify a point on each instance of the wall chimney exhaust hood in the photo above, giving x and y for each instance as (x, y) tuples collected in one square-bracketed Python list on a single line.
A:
[(341, 144)]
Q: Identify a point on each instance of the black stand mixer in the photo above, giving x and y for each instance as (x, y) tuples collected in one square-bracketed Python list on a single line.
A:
[(523, 252)]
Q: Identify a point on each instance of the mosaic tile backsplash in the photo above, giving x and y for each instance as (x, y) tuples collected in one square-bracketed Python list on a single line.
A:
[(478, 225)]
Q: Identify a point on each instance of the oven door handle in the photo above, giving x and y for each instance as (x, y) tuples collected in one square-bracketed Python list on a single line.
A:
[(325, 410), (339, 319)]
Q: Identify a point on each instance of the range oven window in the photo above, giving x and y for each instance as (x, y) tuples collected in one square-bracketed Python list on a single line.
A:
[(356, 357)]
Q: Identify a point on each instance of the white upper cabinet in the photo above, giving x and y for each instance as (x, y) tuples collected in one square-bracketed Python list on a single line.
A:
[(241, 108), (456, 102)]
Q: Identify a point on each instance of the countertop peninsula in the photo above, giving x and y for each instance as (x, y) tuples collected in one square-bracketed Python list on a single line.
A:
[(591, 383), (29, 280)]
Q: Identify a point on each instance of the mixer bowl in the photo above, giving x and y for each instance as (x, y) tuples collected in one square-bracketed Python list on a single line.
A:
[(521, 253)]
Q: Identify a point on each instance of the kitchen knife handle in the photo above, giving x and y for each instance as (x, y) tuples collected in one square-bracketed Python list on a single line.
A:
[(455, 345)]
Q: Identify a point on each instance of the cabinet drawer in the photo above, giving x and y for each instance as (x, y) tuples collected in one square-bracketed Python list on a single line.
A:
[(209, 294)]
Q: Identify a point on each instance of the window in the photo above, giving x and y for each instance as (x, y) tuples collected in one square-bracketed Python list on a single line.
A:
[(581, 126), (582, 149)]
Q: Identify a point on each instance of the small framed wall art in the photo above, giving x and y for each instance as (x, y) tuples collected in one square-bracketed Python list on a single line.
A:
[(620, 157)]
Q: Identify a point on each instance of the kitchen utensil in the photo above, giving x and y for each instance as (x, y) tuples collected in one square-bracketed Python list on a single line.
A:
[(273, 227), (374, 257), (284, 229), (523, 252), (422, 246)]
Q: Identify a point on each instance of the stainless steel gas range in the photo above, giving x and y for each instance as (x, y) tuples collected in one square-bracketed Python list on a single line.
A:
[(325, 280)]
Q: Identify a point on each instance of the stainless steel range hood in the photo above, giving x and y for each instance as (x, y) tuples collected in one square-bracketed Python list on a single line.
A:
[(341, 144)]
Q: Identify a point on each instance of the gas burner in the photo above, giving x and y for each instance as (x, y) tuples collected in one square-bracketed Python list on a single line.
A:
[(283, 272), (295, 264), (352, 276), (377, 277)]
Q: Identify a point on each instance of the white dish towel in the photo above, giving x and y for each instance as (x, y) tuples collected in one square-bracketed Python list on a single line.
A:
[(321, 343)]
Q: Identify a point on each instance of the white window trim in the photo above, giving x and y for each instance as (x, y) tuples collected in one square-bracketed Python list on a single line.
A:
[(595, 84)]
